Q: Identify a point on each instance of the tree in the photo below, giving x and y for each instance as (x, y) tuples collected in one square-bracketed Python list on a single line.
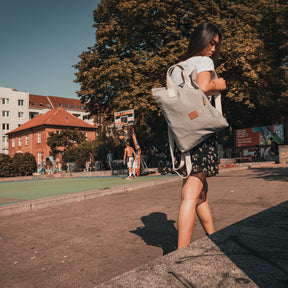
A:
[(137, 40), (86, 151), (253, 61), (63, 141), (94, 151)]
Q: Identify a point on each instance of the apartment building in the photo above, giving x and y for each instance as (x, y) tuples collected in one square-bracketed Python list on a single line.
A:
[(19, 107), (41, 104), (14, 113)]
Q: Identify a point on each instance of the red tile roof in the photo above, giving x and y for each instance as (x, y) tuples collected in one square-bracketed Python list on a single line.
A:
[(67, 103), (39, 102), (55, 117), (53, 102)]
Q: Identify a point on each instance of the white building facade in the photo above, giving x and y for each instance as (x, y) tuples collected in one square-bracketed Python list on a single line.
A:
[(14, 112)]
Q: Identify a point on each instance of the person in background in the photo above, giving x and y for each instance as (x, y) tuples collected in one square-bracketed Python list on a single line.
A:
[(110, 159), (130, 154), (275, 149)]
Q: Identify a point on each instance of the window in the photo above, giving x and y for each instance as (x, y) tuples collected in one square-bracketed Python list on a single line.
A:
[(41, 104), (48, 105), (5, 126), (82, 107), (19, 141), (33, 104), (39, 154), (32, 115), (39, 137), (60, 105), (21, 115), (74, 106), (20, 102), (27, 140), (5, 140), (67, 105), (5, 114), (5, 101), (13, 142)]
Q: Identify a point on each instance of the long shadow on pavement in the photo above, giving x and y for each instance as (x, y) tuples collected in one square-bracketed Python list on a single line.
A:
[(272, 174), (158, 231), (258, 245)]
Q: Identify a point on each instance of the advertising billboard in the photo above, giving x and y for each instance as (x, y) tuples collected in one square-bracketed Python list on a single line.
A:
[(260, 136), (124, 118)]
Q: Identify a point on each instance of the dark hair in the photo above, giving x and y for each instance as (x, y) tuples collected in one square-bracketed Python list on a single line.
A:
[(200, 38)]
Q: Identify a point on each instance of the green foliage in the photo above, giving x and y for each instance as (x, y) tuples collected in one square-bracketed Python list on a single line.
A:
[(22, 164), (64, 140), (253, 62), (137, 40), (7, 167), (25, 164), (94, 151), (82, 153)]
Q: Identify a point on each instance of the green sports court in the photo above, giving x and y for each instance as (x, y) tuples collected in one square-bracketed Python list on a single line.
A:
[(17, 191)]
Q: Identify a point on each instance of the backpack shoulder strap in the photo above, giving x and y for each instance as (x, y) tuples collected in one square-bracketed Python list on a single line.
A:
[(185, 157)]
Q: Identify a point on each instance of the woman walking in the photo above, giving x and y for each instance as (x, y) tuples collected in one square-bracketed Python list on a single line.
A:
[(202, 55)]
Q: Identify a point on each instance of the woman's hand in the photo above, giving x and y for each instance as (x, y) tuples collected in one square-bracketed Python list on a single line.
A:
[(220, 84)]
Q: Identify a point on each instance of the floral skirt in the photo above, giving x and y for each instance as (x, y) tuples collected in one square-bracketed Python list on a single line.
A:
[(204, 159)]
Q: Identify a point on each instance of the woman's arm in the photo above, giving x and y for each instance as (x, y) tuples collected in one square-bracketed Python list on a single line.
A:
[(210, 87)]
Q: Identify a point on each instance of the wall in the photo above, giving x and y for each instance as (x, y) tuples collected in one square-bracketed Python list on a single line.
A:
[(283, 154)]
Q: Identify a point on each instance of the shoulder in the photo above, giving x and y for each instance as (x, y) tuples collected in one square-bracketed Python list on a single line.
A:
[(188, 65), (205, 64)]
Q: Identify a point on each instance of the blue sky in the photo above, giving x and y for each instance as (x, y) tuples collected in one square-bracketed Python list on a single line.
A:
[(41, 40)]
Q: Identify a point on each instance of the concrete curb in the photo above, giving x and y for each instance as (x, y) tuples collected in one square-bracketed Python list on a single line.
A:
[(34, 205), (249, 165)]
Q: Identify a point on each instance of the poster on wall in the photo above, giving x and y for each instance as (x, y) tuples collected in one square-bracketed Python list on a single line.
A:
[(260, 136), (49, 164)]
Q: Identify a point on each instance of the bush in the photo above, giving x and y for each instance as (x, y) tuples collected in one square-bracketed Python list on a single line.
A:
[(20, 165), (25, 163), (7, 167)]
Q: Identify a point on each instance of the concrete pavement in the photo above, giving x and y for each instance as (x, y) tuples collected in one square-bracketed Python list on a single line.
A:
[(250, 253), (86, 243)]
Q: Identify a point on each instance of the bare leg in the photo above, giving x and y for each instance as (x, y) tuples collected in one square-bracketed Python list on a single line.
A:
[(191, 190), (205, 217)]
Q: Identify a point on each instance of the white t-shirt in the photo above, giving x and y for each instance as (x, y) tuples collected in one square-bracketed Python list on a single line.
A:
[(201, 63)]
